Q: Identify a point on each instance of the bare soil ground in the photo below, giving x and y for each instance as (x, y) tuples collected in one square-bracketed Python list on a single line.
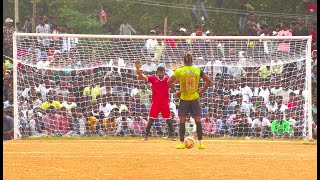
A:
[(158, 159)]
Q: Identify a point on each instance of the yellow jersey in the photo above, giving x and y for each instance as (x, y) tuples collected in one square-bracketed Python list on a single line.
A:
[(47, 104), (189, 77)]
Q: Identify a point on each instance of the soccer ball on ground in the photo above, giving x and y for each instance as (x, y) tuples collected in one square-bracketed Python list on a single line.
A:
[(189, 142)]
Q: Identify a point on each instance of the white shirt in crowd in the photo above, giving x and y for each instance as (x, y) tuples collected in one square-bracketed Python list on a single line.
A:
[(37, 103), (69, 106), (304, 93), (283, 93), (103, 90), (43, 64), (274, 107), (63, 92), (173, 108), (149, 67), (191, 127), (134, 92), (265, 94), (266, 44), (43, 91), (256, 91), (235, 91), (257, 123), (150, 44), (236, 71), (68, 43), (217, 68), (246, 93), (106, 109), (25, 93), (244, 106)]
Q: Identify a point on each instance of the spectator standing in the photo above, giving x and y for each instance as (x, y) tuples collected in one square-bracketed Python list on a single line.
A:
[(47, 20), (301, 29), (7, 127), (313, 33), (43, 28), (72, 41), (8, 31), (284, 46), (285, 31), (151, 43), (157, 31), (126, 29), (203, 8), (245, 8), (252, 28), (27, 27), (19, 27), (197, 31), (246, 92), (314, 74), (311, 8), (103, 17)]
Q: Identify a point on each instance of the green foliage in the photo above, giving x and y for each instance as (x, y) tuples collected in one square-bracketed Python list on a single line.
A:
[(83, 15), (78, 21)]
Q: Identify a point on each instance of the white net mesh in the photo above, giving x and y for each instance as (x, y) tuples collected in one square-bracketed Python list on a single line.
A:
[(77, 85)]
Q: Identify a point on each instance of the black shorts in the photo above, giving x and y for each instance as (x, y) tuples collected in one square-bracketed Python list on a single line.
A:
[(186, 107)]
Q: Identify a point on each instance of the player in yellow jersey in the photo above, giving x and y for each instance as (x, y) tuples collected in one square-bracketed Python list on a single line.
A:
[(189, 95)]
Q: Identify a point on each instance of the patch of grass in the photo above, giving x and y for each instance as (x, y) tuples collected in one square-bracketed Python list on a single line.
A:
[(310, 142)]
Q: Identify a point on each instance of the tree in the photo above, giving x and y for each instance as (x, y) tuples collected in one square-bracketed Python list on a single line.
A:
[(83, 15)]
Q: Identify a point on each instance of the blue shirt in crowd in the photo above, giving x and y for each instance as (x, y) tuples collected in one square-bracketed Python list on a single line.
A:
[(8, 124)]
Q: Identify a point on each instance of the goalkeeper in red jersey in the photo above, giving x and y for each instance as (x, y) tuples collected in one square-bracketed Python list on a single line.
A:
[(160, 98)]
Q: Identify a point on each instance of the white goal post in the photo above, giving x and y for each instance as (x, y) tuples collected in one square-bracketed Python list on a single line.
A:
[(108, 60)]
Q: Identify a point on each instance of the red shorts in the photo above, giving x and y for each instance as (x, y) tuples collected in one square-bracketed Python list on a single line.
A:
[(164, 109)]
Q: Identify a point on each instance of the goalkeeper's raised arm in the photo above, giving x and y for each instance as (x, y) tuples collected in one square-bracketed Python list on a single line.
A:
[(140, 75)]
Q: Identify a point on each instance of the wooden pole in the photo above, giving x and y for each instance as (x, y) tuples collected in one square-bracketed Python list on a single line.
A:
[(16, 12), (165, 26), (34, 9)]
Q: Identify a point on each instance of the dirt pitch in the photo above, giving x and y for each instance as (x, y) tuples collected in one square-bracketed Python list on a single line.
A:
[(158, 159)]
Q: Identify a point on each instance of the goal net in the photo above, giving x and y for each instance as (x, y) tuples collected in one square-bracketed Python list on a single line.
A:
[(86, 85)]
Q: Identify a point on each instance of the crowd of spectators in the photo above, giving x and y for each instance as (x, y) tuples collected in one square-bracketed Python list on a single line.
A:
[(259, 102)]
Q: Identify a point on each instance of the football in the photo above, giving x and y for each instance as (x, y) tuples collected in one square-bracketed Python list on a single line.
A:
[(189, 142)]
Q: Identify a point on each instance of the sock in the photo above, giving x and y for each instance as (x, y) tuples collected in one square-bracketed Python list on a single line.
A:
[(169, 122), (149, 127), (199, 131), (182, 130)]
